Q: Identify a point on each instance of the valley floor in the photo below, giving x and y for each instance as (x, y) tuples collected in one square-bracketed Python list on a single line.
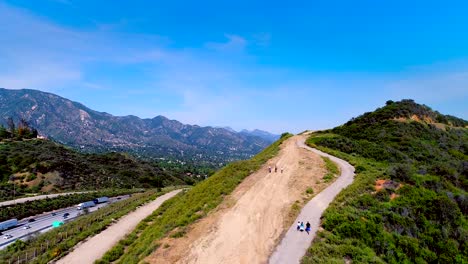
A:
[(249, 223)]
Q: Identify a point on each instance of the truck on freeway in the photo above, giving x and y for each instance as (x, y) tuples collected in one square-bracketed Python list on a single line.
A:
[(99, 200), (8, 223), (85, 205)]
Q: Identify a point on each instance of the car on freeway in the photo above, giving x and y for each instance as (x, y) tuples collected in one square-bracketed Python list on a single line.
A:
[(65, 215), (7, 236), (26, 227), (53, 214), (31, 220)]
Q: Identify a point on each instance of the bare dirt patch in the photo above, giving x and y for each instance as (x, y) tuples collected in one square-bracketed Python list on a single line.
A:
[(249, 223)]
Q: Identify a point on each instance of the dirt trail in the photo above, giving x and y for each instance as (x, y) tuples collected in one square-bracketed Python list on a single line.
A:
[(33, 198), (95, 247), (294, 244), (249, 223)]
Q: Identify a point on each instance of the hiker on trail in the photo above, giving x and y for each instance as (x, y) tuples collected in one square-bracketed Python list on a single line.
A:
[(282, 169), (298, 225), (308, 227), (269, 168), (301, 227), (276, 169)]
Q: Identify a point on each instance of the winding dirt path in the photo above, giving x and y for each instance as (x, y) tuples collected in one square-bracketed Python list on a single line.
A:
[(95, 247), (294, 245), (248, 224), (37, 197)]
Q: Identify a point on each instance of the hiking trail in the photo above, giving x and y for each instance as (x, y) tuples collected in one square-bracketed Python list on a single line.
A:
[(249, 223)]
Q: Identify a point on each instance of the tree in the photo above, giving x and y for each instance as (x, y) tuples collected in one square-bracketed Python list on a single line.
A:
[(23, 129), (11, 126), (4, 132)]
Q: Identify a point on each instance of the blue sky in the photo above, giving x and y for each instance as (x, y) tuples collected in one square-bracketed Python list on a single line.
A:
[(271, 65)]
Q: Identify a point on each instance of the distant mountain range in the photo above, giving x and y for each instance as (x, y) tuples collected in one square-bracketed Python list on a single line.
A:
[(262, 134), (256, 132), (76, 125)]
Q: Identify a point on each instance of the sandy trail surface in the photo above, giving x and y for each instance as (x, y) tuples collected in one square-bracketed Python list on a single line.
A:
[(249, 223), (95, 247), (294, 244), (37, 197)]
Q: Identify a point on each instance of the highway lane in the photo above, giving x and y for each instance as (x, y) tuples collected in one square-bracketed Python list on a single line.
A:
[(43, 222)]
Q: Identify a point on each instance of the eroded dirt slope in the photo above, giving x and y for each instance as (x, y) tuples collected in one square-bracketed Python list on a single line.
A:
[(249, 223)]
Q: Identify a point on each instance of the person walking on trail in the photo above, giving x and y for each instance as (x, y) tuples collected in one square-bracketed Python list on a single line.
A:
[(298, 225), (301, 227), (276, 169), (269, 169), (307, 227), (282, 169)]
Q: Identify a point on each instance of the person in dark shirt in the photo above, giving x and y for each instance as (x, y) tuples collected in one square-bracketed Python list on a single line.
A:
[(308, 227)]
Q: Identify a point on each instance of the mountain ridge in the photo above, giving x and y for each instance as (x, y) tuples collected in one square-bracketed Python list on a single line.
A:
[(73, 124)]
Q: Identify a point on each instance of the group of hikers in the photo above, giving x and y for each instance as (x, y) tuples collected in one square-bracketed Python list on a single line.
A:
[(300, 227), (276, 169)]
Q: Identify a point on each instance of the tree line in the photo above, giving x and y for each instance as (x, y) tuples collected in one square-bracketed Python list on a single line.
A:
[(20, 130)]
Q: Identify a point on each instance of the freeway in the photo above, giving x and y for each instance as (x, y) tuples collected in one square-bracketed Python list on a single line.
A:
[(43, 222)]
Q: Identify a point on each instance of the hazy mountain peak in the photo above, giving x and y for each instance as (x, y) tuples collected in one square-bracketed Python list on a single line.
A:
[(76, 125)]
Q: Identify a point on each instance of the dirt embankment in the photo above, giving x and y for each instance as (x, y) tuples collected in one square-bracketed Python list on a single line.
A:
[(246, 227)]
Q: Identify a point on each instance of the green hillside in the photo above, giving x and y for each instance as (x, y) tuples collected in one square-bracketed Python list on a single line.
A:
[(408, 203), (175, 215), (35, 165)]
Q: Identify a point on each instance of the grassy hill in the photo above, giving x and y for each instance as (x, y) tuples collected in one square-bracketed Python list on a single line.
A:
[(408, 203), (175, 215), (35, 165)]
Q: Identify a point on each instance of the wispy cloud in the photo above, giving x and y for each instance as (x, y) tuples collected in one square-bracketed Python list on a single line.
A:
[(233, 43), (212, 83), (44, 74)]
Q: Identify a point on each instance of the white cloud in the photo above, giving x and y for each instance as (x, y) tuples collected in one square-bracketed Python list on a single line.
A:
[(36, 53), (39, 76), (209, 85), (234, 43)]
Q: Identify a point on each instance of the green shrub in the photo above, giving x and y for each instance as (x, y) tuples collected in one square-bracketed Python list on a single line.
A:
[(426, 221)]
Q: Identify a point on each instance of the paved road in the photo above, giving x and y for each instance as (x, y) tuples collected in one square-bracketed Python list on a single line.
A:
[(43, 222), (32, 198), (95, 247), (294, 245)]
